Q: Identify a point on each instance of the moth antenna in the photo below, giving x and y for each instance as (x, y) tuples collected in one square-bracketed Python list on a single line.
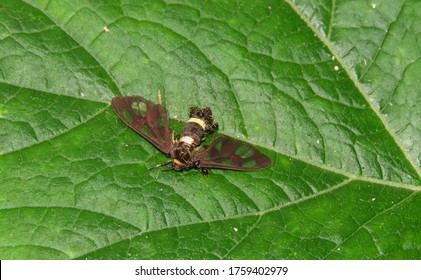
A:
[(159, 97), (161, 164)]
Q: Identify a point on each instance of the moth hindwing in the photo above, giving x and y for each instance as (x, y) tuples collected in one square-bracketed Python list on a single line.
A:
[(152, 122)]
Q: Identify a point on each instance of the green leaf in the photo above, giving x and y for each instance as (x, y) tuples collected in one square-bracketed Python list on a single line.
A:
[(331, 95)]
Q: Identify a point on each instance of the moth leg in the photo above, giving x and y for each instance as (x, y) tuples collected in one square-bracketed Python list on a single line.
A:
[(204, 171), (193, 111), (160, 164), (196, 164), (214, 127)]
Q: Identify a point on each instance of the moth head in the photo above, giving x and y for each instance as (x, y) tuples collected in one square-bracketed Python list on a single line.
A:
[(177, 165)]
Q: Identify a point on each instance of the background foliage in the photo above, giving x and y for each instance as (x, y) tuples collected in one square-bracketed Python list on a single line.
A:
[(328, 89)]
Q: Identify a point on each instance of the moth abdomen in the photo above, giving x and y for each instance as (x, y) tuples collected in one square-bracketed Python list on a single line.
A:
[(203, 116), (200, 122)]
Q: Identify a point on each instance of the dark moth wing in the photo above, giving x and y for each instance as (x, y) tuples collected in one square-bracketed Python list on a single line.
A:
[(146, 118), (227, 153)]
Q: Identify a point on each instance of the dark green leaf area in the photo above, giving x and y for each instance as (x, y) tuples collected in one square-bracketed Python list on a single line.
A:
[(327, 227), (29, 116), (38, 54), (57, 232), (196, 241), (354, 222)]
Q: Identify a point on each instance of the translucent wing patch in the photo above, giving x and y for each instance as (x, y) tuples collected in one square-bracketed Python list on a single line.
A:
[(227, 153), (146, 118)]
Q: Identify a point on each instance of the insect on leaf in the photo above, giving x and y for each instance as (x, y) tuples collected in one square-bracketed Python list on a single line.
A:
[(152, 122)]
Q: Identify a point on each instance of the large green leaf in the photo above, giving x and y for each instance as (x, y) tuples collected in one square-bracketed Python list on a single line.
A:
[(330, 90)]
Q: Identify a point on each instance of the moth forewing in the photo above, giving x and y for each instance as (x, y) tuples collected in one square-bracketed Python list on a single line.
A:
[(227, 153), (146, 118)]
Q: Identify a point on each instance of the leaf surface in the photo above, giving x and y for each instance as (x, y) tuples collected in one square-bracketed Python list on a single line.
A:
[(330, 95)]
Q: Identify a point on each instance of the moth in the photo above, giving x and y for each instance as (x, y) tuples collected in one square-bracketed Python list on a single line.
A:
[(151, 121)]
